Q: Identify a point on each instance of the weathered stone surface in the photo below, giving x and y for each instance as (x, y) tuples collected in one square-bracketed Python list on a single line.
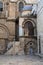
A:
[(40, 26), (15, 50), (20, 60), (10, 23), (2, 46)]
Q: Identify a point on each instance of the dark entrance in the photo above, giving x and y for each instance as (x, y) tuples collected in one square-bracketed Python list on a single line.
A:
[(28, 28), (31, 50), (17, 30)]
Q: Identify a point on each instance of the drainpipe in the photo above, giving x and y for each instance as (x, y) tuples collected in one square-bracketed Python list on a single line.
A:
[(39, 45)]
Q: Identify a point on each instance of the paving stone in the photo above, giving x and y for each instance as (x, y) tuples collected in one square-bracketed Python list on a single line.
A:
[(20, 60)]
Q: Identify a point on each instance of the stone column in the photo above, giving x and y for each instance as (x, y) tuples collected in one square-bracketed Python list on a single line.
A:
[(21, 31), (41, 43), (21, 39), (38, 44)]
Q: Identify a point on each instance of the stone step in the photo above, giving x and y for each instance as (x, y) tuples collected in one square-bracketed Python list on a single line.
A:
[(9, 52), (15, 50)]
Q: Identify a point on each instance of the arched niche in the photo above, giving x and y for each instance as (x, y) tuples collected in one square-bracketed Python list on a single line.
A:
[(21, 5), (29, 27), (4, 32), (20, 2)]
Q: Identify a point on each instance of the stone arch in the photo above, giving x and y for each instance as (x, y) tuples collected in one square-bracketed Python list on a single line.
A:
[(19, 2), (5, 32), (30, 44), (26, 20), (21, 5), (28, 26)]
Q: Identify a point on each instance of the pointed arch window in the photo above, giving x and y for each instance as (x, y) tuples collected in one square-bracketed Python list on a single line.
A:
[(21, 5), (1, 6)]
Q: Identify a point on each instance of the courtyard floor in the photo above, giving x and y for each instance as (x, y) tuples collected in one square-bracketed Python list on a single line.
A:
[(20, 60)]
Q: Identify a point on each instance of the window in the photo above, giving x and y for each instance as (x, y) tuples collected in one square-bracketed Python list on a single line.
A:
[(1, 6), (21, 5)]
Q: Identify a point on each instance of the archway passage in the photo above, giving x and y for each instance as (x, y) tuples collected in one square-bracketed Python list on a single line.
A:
[(28, 29)]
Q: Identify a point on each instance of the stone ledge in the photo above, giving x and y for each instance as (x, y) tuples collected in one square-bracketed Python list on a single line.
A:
[(40, 55)]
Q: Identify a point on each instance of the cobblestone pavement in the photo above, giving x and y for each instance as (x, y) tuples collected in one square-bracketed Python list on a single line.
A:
[(20, 60)]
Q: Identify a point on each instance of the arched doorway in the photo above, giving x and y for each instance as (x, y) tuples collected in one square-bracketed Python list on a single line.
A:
[(30, 44), (30, 48), (28, 29)]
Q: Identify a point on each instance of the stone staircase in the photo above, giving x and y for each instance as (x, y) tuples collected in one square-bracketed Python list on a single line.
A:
[(15, 49)]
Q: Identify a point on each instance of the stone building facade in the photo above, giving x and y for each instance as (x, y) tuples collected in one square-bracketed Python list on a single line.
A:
[(40, 26), (18, 27)]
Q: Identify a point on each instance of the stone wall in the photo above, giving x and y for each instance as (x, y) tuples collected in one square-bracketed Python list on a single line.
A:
[(40, 26), (2, 46), (12, 10), (17, 49), (25, 44), (23, 20), (7, 28)]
